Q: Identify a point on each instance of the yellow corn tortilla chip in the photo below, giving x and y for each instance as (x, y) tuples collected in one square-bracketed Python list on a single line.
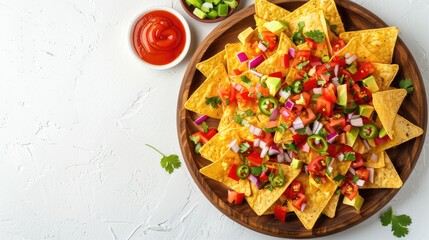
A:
[(331, 207), (259, 22), (380, 42), (384, 74), (377, 163), (386, 177), (354, 46), (269, 11), (217, 146), (307, 7), (404, 131), (314, 20), (219, 171), (283, 137), (316, 201), (209, 88), (231, 50), (262, 199), (207, 66), (252, 77), (386, 104), (226, 120), (339, 168), (332, 16), (281, 201), (284, 44)]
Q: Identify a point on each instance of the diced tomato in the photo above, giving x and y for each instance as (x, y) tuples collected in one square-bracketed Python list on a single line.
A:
[(347, 128), (307, 116), (255, 159), (363, 173), (299, 200), (332, 150), (235, 197), (349, 189), (202, 137), (301, 56), (272, 124), (324, 106), (260, 89), (210, 133), (337, 45), (297, 138), (236, 72), (339, 122), (364, 70), (311, 43), (264, 177), (317, 165), (284, 60), (271, 38), (325, 70), (361, 95), (276, 74), (330, 93), (293, 189), (358, 162), (233, 173), (227, 94), (310, 84), (339, 60), (379, 141), (267, 138), (243, 98), (280, 212)]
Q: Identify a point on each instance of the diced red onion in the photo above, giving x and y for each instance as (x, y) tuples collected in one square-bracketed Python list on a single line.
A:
[(352, 171), (371, 174), (284, 94), (262, 47), (234, 146), (273, 150), (292, 130), (351, 59), (347, 55), (287, 158), (315, 63), (365, 142), (201, 119), (317, 90), (360, 182), (335, 81), (303, 207), (274, 114), (316, 141), (289, 104), (297, 123), (331, 163), (357, 122), (256, 73), (332, 137), (242, 57), (305, 147), (374, 157), (317, 126), (280, 158), (256, 142), (237, 87), (255, 130), (336, 68), (256, 61), (306, 169), (285, 114), (340, 156), (262, 144), (264, 152), (308, 131), (292, 52), (255, 181)]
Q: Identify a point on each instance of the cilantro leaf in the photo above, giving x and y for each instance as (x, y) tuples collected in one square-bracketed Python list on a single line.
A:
[(205, 127), (339, 178), (244, 147), (399, 223), (355, 178), (406, 84), (302, 64), (249, 113), (297, 37), (349, 156), (213, 101), (195, 139), (316, 35), (169, 163), (246, 80)]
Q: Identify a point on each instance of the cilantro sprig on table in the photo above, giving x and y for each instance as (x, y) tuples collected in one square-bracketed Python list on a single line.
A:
[(399, 222), (169, 163), (406, 84)]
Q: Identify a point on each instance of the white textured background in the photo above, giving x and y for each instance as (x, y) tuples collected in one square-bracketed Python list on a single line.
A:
[(76, 109)]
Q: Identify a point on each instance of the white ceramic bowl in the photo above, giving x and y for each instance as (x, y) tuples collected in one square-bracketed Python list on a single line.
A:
[(187, 34)]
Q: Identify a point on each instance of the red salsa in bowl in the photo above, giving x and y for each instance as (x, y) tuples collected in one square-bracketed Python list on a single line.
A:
[(160, 37)]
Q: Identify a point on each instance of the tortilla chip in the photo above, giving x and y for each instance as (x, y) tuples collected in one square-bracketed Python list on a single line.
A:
[(272, 64), (283, 137), (284, 44), (380, 42), (269, 11), (384, 74), (386, 177), (354, 46), (219, 171), (331, 207), (227, 117), (404, 131), (316, 201), (250, 76), (314, 20), (386, 104), (209, 88), (281, 201), (207, 66), (259, 22), (217, 146), (333, 18), (262, 199), (339, 168), (377, 163), (231, 50)]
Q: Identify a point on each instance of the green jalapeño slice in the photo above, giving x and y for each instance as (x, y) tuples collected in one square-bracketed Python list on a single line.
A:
[(267, 105)]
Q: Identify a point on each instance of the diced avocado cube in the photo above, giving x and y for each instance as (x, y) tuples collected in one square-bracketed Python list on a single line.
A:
[(222, 10), (382, 133), (196, 3), (276, 27), (342, 95), (352, 136), (352, 68), (212, 14), (366, 110), (296, 163), (231, 3), (356, 202), (200, 14), (245, 35), (273, 85), (370, 83)]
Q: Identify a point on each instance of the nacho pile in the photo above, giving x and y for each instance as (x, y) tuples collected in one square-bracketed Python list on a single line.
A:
[(306, 112)]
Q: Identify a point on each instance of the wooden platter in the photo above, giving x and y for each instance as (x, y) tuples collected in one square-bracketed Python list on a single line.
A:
[(404, 156)]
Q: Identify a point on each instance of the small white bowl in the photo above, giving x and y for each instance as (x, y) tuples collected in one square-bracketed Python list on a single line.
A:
[(187, 35)]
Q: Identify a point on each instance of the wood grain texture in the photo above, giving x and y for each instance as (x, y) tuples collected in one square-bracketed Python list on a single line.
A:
[(189, 10), (404, 156)]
